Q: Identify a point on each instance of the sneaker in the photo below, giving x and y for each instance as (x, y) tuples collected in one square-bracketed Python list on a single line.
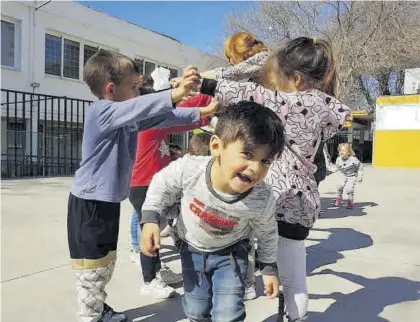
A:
[(250, 293), (157, 289), (168, 276), (109, 315), (350, 205), (135, 257), (166, 232), (338, 202)]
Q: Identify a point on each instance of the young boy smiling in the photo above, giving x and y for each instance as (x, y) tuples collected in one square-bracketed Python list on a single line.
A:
[(223, 199)]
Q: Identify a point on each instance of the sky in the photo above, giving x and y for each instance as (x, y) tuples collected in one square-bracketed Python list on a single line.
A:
[(199, 24)]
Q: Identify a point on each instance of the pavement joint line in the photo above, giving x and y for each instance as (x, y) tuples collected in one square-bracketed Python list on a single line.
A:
[(34, 273)]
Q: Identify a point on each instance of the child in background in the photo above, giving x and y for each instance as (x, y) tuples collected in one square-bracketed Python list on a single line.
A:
[(153, 154), (351, 168), (246, 54), (199, 144), (223, 197), (103, 178), (294, 78)]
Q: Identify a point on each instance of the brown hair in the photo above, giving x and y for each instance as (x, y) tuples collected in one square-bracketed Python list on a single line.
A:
[(312, 58), (199, 144), (241, 46), (348, 147), (106, 66)]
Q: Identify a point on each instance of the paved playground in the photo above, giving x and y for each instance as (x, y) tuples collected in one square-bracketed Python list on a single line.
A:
[(363, 264)]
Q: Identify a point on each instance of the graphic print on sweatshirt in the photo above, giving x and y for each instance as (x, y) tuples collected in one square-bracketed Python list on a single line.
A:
[(211, 220), (164, 149)]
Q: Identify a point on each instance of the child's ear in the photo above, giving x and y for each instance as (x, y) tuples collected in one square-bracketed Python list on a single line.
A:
[(109, 88), (216, 146)]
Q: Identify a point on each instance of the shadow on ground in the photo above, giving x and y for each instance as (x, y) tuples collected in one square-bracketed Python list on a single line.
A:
[(169, 310)]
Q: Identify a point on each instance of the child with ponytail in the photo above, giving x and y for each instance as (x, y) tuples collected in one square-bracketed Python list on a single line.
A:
[(299, 84)]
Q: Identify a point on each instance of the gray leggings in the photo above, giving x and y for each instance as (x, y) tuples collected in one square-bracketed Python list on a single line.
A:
[(347, 183)]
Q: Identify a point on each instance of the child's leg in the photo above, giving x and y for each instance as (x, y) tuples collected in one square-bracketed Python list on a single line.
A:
[(92, 228), (250, 274), (228, 281), (351, 185), (340, 187), (135, 229), (291, 263), (149, 265), (197, 284)]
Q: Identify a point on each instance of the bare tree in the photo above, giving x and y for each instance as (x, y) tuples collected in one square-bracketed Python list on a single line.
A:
[(374, 41)]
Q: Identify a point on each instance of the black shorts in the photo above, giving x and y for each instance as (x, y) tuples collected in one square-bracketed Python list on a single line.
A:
[(137, 196), (92, 230)]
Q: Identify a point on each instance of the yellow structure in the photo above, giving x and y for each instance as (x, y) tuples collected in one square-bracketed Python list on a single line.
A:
[(397, 132)]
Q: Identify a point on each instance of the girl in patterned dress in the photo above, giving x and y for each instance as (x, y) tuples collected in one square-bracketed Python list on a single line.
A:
[(299, 85)]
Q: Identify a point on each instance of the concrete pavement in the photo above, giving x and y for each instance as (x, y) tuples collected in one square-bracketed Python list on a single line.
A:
[(363, 264)]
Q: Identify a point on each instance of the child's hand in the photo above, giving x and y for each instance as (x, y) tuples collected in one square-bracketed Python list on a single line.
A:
[(210, 109), (271, 286), (150, 239), (360, 180), (175, 82), (189, 81)]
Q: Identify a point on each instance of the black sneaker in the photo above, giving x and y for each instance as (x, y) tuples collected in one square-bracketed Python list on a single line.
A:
[(109, 315)]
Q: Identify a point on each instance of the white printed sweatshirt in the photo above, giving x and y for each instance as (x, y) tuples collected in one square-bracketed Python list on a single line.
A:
[(211, 220), (307, 117)]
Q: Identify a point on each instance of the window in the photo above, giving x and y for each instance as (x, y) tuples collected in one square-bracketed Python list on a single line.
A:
[(88, 51), (148, 68), (140, 63), (71, 59), (174, 73), (52, 55), (9, 44), (63, 56)]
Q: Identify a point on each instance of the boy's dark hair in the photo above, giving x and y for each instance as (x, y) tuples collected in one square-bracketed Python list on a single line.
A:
[(253, 123), (199, 144), (175, 146), (106, 66)]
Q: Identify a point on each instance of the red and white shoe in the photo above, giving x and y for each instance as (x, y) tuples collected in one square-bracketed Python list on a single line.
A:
[(338, 202), (350, 205)]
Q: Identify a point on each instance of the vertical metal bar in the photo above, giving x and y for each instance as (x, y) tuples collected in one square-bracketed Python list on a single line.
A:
[(71, 136), (58, 138), (77, 131), (65, 135), (7, 133), (44, 166), (23, 167), (31, 171), (52, 137), (37, 134), (15, 135)]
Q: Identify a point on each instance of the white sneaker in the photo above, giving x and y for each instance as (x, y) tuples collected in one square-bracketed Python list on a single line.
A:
[(135, 257), (166, 232), (168, 276), (250, 293), (157, 289)]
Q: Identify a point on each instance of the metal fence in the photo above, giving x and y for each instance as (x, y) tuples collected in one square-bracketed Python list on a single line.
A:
[(41, 134)]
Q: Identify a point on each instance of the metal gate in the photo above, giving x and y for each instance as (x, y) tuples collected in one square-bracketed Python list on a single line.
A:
[(41, 134)]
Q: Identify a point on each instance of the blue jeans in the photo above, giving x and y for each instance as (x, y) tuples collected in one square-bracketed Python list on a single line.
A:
[(214, 283), (135, 231)]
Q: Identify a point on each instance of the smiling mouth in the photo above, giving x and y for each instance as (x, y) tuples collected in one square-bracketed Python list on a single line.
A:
[(244, 178)]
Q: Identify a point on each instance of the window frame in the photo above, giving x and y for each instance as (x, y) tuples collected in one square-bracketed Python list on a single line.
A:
[(18, 42), (157, 63), (82, 44)]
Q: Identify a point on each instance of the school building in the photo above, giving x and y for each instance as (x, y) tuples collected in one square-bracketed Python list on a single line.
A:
[(44, 46)]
